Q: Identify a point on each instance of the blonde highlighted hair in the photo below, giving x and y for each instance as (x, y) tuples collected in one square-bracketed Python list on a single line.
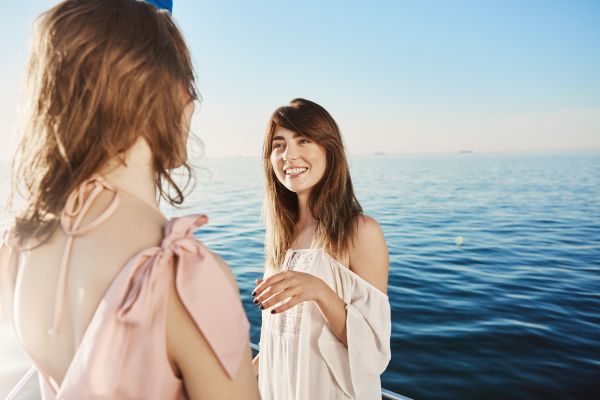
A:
[(331, 201), (101, 75)]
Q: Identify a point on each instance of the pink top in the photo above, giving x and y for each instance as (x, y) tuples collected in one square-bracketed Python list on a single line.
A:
[(123, 354)]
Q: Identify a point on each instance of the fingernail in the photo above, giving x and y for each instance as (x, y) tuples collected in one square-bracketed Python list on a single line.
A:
[(253, 294), (273, 312), (261, 307), (255, 301)]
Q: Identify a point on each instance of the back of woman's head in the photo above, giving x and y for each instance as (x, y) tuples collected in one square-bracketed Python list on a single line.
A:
[(331, 201), (102, 74)]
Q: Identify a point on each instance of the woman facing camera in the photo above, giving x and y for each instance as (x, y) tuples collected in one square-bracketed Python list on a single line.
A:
[(109, 298), (326, 316)]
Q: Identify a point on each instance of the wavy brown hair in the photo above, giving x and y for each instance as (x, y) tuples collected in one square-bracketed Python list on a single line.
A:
[(331, 201), (101, 75)]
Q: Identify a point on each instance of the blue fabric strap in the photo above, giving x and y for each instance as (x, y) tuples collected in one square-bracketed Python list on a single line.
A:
[(162, 4)]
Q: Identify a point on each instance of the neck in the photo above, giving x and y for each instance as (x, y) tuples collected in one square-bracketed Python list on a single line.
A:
[(305, 217), (136, 175)]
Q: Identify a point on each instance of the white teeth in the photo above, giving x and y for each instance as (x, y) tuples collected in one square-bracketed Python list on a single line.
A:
[(295, 171)]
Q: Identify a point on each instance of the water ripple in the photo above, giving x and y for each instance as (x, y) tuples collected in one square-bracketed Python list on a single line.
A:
[(511, 312)]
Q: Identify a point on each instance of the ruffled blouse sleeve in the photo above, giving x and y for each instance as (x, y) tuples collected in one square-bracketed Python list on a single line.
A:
[(133, 297), (357, 367)]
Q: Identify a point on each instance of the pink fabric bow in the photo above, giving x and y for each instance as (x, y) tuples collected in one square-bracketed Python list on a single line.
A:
[(201, 284)]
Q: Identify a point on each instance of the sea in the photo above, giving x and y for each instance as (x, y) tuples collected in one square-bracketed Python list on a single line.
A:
[(494, 278)]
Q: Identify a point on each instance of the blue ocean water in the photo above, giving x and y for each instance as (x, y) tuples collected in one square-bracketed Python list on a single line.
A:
[(495, 266)]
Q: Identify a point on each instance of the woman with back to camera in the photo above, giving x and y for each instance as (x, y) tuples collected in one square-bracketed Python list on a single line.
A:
[(326, 316), (108, 298)]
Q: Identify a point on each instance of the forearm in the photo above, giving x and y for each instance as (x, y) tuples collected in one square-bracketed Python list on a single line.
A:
[(333, 309)]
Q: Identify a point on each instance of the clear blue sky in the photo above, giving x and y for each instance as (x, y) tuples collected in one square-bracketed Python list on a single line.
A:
[(398, 76)]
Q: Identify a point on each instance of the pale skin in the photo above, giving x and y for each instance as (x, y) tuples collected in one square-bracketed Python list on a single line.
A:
[(367, 255), (193, 360), (191, 357), (96, 259)]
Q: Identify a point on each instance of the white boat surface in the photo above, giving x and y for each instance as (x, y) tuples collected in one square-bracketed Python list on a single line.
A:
[(31, 372)]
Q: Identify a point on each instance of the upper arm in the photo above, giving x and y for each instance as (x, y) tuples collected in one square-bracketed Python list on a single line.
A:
[(368, 252), (227, 271), (195, 361)]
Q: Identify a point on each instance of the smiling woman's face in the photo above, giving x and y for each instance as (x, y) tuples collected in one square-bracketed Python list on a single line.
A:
[(298, 162)]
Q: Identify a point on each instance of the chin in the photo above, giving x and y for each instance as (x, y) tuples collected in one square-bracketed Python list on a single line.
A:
[(298, 189)]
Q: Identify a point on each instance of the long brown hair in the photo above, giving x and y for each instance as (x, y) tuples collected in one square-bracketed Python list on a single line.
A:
[(101, 75), (331, 201)]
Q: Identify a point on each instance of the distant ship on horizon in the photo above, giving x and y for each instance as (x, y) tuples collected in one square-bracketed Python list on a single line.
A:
[(380, 153), (466, 151)]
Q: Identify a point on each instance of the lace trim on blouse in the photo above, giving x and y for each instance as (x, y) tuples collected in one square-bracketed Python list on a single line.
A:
[(290, 322)]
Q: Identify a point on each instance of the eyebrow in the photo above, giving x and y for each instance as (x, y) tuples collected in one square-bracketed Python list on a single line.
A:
[(282, 138)]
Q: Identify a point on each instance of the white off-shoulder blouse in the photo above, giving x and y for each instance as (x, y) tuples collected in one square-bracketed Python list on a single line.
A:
[(301, 359)]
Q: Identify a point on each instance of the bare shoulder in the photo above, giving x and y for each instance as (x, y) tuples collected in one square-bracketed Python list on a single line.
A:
[(132, 227), (367, 228), (368, 252), (148, 221), (368, 237)]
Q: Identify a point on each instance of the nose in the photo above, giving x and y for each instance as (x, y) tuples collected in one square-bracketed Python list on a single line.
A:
[(290, 153)]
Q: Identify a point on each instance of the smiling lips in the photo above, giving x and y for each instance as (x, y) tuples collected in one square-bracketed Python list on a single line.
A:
[(292, 172)]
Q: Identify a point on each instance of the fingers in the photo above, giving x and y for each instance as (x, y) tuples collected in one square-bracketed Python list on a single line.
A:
[(295, 300), (272, 290), (278, 298), (270, 281)]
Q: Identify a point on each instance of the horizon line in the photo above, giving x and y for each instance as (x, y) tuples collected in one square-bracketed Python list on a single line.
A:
[(377, 153)]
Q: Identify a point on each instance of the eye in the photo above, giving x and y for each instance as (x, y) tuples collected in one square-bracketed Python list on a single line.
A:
[(276, 145), (303, 141)]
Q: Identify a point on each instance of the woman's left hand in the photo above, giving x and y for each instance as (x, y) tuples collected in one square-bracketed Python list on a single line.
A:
[(297, 286)]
